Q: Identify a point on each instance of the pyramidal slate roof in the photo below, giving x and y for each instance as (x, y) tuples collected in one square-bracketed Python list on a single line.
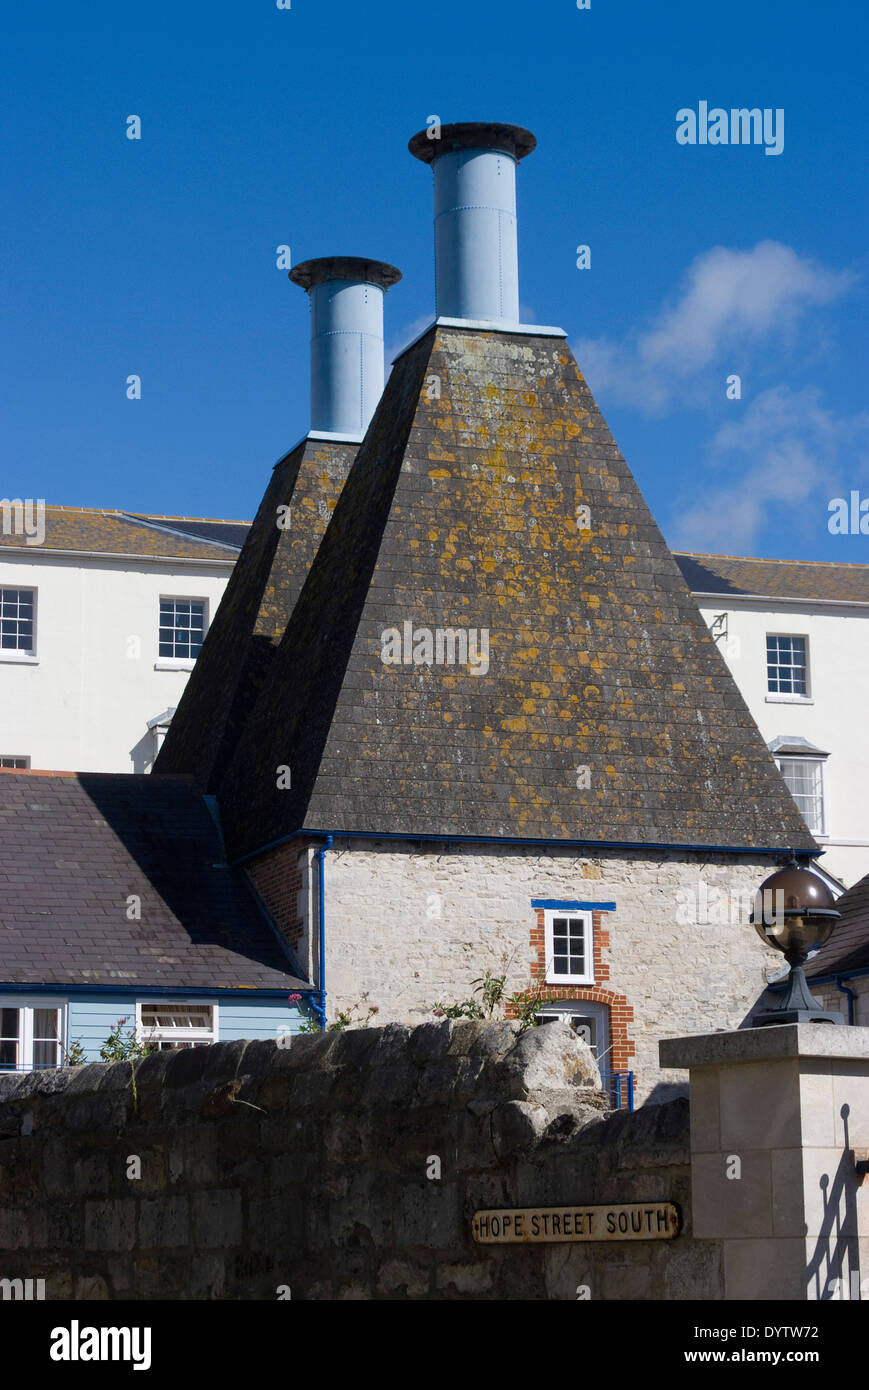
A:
[(252, 615), (602, 712)]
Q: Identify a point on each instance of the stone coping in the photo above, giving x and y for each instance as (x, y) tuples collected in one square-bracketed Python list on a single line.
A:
[(766, 1044)]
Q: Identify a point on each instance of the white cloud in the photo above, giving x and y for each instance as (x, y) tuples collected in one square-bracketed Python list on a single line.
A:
[(731, 301), (784, 461)]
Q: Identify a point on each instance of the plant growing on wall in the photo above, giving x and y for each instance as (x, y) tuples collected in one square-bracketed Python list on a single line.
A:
[(74, 1055), (120, 1047), (526, 1004)]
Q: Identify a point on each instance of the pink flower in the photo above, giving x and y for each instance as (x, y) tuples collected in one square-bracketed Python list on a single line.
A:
[(439, 1013), (294, 998)]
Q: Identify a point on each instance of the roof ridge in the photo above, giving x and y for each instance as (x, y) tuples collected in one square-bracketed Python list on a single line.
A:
[(769, 560), (143, 516)]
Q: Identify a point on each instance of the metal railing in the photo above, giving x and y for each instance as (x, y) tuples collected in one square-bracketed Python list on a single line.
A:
[(620, 1085)]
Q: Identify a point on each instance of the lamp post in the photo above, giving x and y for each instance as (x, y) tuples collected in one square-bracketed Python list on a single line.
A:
[(794, 911)]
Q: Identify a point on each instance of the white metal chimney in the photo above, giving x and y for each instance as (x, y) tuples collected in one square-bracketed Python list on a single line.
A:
[(476, 257), (347, 372)]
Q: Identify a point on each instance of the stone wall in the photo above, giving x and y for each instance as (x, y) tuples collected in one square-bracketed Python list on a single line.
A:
[(409, 925), (833, 998), (313, 1168)]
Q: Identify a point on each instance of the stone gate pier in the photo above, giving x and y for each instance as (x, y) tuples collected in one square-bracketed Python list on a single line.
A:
[(779, 1124)]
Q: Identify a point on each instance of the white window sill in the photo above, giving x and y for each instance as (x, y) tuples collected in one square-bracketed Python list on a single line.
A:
[(19, 658), (568, 980), (789, 700), (174, 664)]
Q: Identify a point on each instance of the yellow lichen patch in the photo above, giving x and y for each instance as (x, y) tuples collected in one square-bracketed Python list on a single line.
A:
[(528, 706), (439, 473), (528, 654), (541, 691), (492, 392), (610, 771), (592, 601), (489, 565), (591, 692), (432, 535), (515, 726), (564, 714)]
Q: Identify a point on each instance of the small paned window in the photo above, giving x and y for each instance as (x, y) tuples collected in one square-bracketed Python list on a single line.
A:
[(17, 620), (568, 939), (177, 1025), (182, 628), (786, 666)]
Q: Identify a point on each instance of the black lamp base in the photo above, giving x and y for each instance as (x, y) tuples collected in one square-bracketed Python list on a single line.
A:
[(798, 1006), (773, 1016)]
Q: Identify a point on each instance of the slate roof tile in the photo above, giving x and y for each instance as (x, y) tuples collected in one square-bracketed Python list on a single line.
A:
[(63, 922)]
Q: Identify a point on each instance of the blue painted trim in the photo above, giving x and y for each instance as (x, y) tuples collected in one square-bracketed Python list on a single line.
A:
[(850, 996), (318, 1004), (160, 991), (857, 974), (573, 907), (411, 837)]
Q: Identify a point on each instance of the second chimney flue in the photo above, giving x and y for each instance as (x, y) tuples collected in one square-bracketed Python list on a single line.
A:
[(346, 294)]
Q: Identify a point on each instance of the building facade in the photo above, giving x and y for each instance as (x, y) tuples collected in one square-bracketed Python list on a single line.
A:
[(795, 635), (102, 615)]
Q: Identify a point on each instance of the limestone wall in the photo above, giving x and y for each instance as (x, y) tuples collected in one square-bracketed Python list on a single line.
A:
[(344, 1166), (408, 928)]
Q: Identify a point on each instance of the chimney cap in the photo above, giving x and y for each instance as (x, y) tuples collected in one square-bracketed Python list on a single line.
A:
[(317, 272), (514, 140)]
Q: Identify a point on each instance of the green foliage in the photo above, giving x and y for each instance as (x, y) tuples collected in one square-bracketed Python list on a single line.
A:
[(74, 1055), (526, 1005), (352, 1017), (121, 1047)]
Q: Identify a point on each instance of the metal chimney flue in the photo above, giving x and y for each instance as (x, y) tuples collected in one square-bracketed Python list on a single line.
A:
[(476, 254), (347, 372)]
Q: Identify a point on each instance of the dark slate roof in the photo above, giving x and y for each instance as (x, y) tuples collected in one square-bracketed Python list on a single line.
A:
[(848, 947), (76, 845), (253, 613), (77, 529), (460, 512), (808, 579)]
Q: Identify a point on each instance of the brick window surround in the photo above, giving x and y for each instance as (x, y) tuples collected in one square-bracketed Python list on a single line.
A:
[(620, 1012)]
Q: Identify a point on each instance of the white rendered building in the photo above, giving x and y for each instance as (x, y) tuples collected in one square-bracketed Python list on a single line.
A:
[(101, 616), (795, 635)]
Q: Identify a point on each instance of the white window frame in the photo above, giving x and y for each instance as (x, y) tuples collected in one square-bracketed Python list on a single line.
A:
[(821, 763), (26, 1004), (190, 1035), (180, 663), (19, 655), (6, 758), (549, 915), (776, 697)]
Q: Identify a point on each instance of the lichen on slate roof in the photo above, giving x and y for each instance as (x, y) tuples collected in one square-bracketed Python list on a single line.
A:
[(606, 713), (252, 615)]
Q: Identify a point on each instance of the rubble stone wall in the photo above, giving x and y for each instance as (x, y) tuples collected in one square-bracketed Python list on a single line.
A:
[(345, 1165)]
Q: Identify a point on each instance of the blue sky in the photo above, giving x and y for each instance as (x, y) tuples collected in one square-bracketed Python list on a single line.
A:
[(263, 126)]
